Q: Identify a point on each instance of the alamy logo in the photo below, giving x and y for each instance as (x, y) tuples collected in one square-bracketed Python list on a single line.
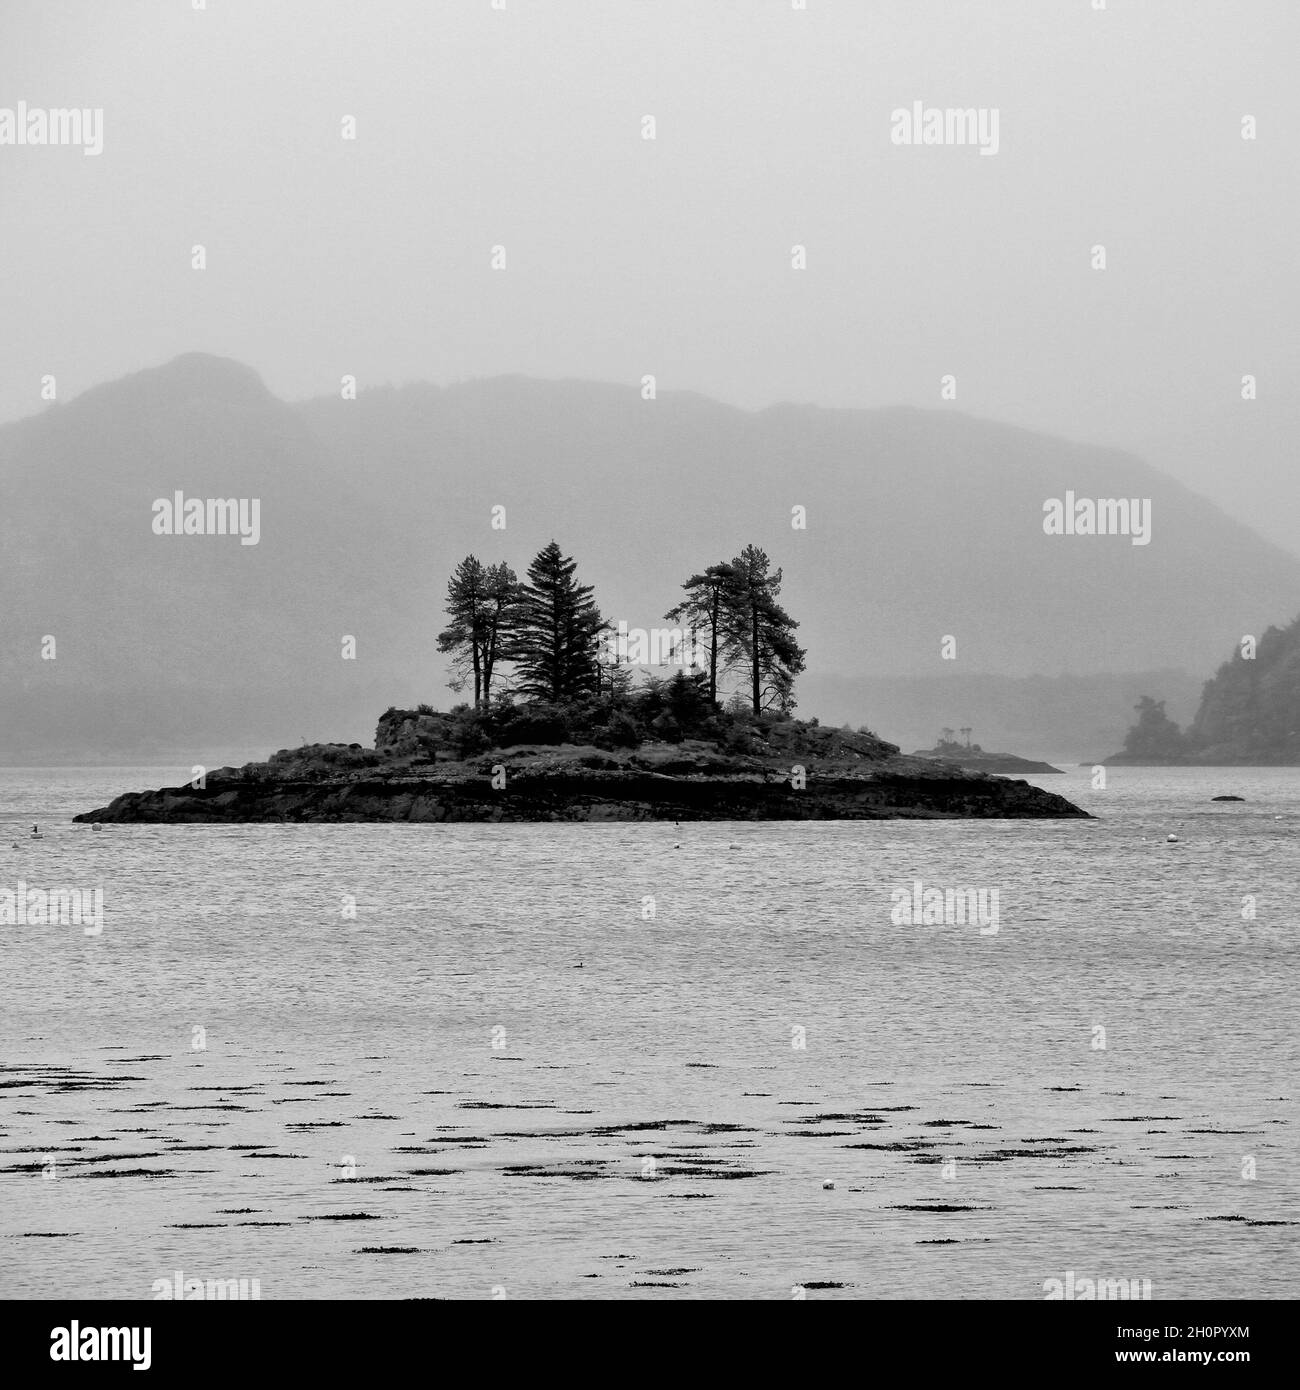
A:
[(60, 125), (77, 1343), (196, 1290), (930, 125), (1107, 516), (1086, 1289), (52, 907), (920, 906), (657, 646), (179, 515)]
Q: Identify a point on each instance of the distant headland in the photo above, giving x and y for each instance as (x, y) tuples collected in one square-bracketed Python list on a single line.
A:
[(1249, 713)]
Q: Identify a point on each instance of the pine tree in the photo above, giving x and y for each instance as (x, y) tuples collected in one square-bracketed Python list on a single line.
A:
[(481, 604), (705, 608), (556, 633), (758, 634), (501, 597)]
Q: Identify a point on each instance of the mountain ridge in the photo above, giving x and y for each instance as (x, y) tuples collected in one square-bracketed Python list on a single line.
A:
[(920, 525)]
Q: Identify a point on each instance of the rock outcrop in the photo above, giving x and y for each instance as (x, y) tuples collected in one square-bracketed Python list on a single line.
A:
[(975, 759), (796, 772)]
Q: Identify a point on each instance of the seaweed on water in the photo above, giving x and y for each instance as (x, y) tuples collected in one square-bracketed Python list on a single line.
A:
[(132, 1173), (942, 1207)]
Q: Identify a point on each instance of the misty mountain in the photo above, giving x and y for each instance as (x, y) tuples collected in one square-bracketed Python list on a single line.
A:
[(920, 525)]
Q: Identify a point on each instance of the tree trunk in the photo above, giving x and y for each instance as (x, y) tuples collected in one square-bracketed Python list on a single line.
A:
[(713, 649), (754, 639)]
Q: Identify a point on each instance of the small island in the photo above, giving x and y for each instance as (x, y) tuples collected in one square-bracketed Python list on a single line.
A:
[(973, 758), (575, 735)]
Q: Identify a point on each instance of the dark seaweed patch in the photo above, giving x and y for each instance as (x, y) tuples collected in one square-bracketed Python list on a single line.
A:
[(934, 1206), (897, 1145), (129, 1173), (1063, 1151), (493, 1105)]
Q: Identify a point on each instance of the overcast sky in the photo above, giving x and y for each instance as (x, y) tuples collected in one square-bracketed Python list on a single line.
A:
[(478, 127)]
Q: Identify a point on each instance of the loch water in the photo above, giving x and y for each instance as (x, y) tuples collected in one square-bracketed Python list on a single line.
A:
[(617, 1061)]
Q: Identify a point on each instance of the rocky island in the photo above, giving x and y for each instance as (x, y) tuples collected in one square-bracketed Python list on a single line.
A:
[(973, 758), (777, 770), (574, 735)]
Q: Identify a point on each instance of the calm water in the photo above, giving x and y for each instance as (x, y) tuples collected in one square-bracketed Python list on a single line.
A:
[(649, 1125)]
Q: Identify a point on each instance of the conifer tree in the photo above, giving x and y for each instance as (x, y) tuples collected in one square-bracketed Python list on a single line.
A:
[(758, 634), (705, 609), (481, 603), (557, 630)]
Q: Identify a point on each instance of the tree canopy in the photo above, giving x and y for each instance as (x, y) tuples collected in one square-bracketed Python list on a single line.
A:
[(550, 630)]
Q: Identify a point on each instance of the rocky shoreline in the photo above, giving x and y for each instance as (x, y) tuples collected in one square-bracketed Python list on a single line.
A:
[(977, 760), (344, 783)]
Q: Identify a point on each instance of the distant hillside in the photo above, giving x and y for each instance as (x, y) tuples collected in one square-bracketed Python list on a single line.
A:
[(1249, 713), (920, 524), (1068, 717)]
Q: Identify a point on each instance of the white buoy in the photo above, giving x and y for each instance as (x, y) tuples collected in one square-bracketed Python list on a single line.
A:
[(1171, 839), (828, 1185)]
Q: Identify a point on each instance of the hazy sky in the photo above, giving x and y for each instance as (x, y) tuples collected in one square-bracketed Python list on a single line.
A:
[(522, 127)]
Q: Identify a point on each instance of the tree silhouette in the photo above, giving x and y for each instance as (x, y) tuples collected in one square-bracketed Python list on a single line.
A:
[(556, 633), (481, 604), (758, 633), (705, 608)]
